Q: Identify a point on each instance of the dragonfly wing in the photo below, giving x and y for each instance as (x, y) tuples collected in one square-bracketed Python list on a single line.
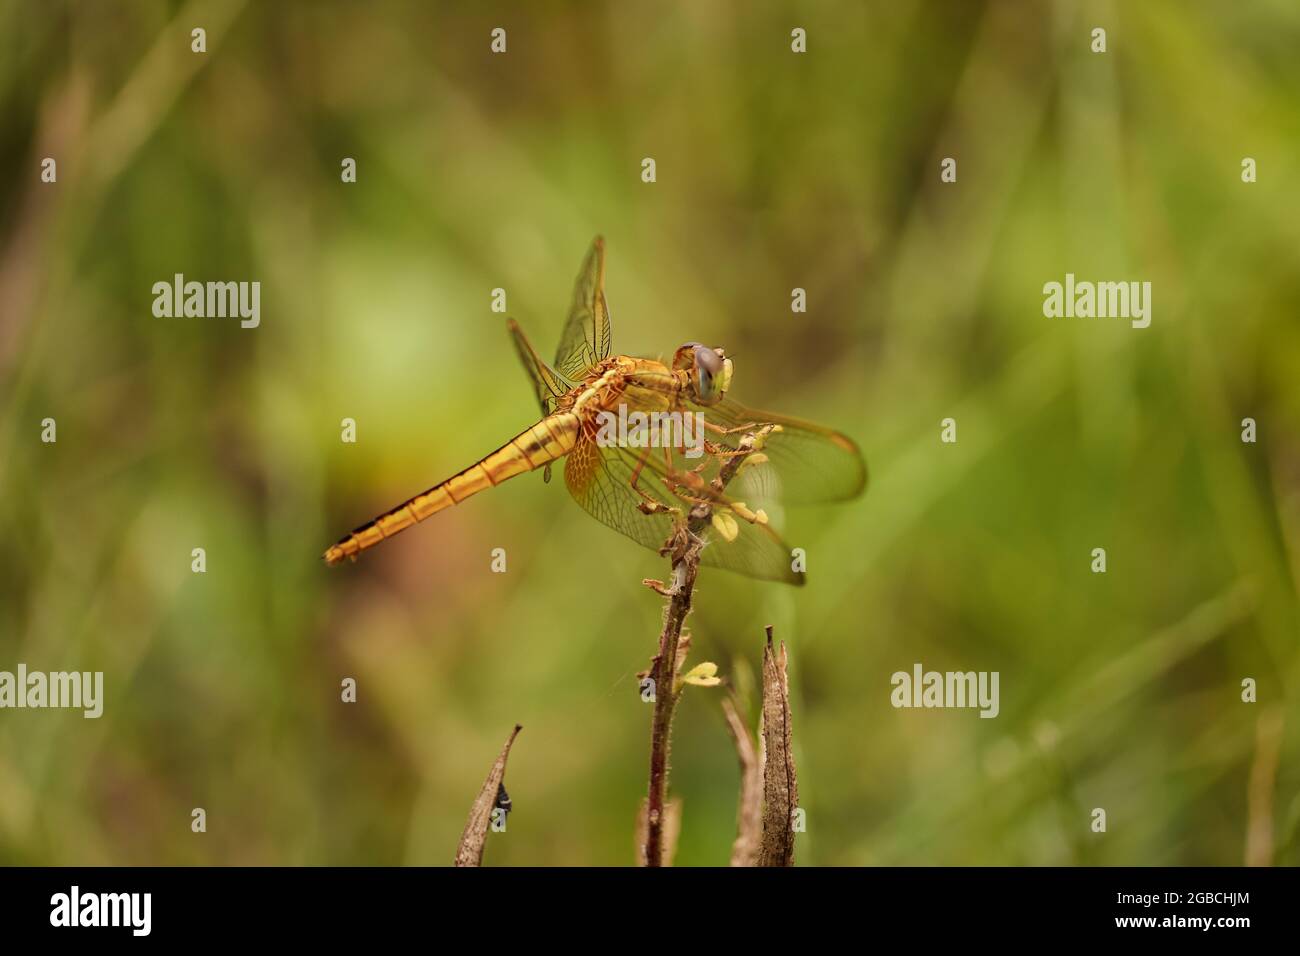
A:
[(732, 540), (586, 339), (800, 462), (755, 551), (546, 384), (600, 480)]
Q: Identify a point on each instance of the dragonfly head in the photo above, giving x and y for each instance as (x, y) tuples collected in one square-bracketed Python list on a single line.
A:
[(708, 371)]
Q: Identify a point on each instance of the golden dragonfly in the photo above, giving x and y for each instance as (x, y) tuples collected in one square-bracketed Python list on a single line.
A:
[(642, 441)]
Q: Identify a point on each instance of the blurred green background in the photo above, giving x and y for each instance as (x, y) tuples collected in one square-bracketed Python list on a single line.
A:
[(775, 171)]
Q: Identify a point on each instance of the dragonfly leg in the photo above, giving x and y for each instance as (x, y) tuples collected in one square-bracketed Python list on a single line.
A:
[(649, 505), (679, 484), (676, 480), (737, 508), (721, 451), (734, 430)]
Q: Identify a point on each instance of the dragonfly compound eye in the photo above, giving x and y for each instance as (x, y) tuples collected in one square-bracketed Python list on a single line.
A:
[(712, 373), (708, 360)]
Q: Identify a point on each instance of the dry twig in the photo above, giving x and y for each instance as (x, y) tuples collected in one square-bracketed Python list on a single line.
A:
[(683, 549), (470, 851), (780, 788)]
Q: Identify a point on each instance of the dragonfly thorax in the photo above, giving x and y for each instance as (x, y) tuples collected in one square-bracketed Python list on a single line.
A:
[(643, 384)]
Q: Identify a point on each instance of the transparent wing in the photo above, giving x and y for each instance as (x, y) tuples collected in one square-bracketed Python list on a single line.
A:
[(546, 383), (586, 339), (800, 463), (600, 480)]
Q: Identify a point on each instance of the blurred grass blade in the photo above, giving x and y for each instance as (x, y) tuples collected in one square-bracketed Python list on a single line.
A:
[(749, 814), (470, 852), (780, 788), (1263, 781)]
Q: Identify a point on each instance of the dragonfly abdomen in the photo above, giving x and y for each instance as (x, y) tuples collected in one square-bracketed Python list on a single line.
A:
[(551, 438)]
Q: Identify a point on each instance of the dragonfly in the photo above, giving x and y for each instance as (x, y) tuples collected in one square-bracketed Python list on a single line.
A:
[(642, 441)]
